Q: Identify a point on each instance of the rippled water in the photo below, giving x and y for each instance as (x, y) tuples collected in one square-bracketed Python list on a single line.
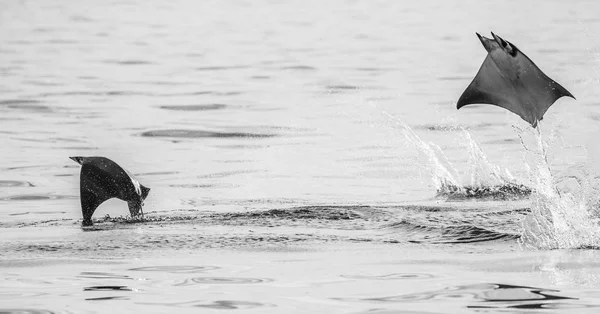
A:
[(302, 156)]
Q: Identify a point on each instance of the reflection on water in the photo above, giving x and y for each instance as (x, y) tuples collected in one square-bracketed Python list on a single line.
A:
[(12, 183), (181, 133), (222, 280), (107, 298), (380, 311), (107, 288), (176, 269), (218, 305), (30, 197), (500, 295), (102, 275), (194, 107), (398, 276)]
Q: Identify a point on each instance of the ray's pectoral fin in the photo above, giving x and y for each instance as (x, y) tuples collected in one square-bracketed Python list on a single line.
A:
[(91, 198), (490, 86), (93, 192), (509, 79)]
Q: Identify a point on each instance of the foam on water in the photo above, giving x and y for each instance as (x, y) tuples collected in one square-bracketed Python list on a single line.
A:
[(486, 179), (562, 209)]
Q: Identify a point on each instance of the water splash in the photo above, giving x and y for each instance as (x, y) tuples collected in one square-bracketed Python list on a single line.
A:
[(483, 172), (563, 209), (486, 179)]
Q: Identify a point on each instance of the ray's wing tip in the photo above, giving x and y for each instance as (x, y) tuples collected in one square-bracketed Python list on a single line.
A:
[(463, 100), (461, 103), (480, 37), (76, 159)]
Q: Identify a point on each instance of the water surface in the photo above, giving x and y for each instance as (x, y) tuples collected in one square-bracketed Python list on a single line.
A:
[(303, 157)]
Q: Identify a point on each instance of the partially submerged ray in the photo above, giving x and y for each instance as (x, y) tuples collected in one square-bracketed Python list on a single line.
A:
[(509, 79), (102, 179)]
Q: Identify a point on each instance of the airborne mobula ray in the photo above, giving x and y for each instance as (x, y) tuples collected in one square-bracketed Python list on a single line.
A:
[(509, 79)]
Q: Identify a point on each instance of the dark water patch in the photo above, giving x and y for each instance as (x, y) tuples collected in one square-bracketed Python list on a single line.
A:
[(36, 140), (233, 93), (192, 186), (75, 147), (436, 127), (236, 161), (30, 108), (339, 88), (19, 214), (438, 231), (38, 213), (128, 62), (229, 305), (163, 83), (503, 141), (396, 276), (222, 68), (107, 298), (508, 191), (99, 93), (228, 174), (194, 107), (285, 128), (176, 269), (222, 281), (52, 140), (510, 295), (299, 68), (217, 305), (40, 248), (308, 212), (107, 288), (14, 183), (449, 225), (182, 133), (101, 275), (536, 306), (18, 102), (42, 83), (24, 311), (44, 30), (34, 197), (260, 77), (449, 38), (369, 69)]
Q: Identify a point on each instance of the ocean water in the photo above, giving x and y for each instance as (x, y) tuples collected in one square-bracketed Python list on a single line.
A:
[(303, 156)]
